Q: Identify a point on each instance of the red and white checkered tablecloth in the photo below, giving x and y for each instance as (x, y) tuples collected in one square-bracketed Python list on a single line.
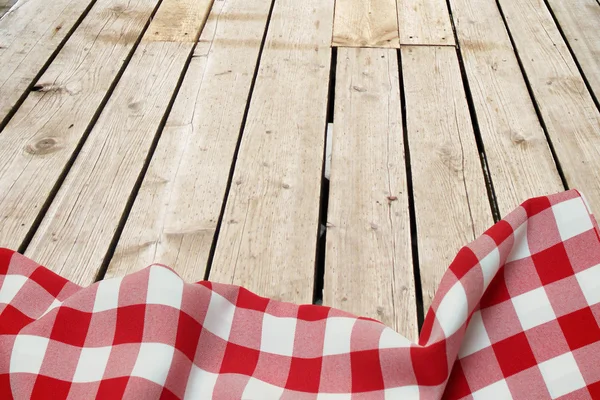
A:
[(516, 316)]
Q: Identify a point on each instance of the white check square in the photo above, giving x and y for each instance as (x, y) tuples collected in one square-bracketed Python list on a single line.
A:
[(533, 308), (151, 361), (278, 335), (562, 375), (572, 218), (338, 331), (28, 354), (476, 337), (200, 384), (107, 294), (490, 265), (219, 316), (521, 245), (10, 287), (496, 391), (164, 287), (257, 389), (589, 281), (453, 309), (402, 392), (390, 339), (92, 363)]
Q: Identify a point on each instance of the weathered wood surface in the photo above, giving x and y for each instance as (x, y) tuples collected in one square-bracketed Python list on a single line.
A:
[(267, 241), (53, 120), (580, 22), (75, 235), (365, 23), (175, 214), (568, 110), (519, 158), (368, 264), (450, 196), (424, 22), (29, 35)]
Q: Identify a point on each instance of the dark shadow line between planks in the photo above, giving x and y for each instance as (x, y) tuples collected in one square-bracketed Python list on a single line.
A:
[(533, 100), (411, 202), (573, 55), (63, 175), (321, 248), (140, 179), (213, 247), (42, 70), (489, 184)]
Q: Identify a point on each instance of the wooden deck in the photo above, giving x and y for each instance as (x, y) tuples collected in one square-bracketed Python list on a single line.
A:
[(193, 133)]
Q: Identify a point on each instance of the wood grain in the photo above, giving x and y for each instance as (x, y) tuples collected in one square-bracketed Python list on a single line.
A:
[(178, 21), (174, 218), (580, 22), (268, 237), (29, 35), (74, 237), (365, 23), (424, 22), (43, 135), (450, 196), (569, 113), (519, 158), (368, 264)]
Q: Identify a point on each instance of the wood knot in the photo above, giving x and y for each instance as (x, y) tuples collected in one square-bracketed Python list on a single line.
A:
[(374, 226), (359, 89), (43, 146), (285, 186), (517, 138), (135, 106)]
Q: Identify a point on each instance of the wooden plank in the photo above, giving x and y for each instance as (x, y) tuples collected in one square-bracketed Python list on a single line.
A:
[(365, 23), (450, 196), (580, 22), (76, 232), (268, 237), (568, 110), (368, 262), (519, 158), (29, 35), (39, 140), (424, 22), (174, 218)]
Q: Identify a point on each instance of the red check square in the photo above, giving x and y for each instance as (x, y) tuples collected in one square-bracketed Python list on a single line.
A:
[(580, 328), (552, 264), (514, 354)]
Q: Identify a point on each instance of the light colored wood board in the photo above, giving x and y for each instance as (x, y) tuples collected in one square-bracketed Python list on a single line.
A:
[(580, 22), (517, 152), (75, 234), (76, 231), (41, 137), (424, 22), (29, 34), (178, 21), (268, 238), (174, 218), (365, 23), (569, 113), (450, 197), (5, 6), (368, 261)]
